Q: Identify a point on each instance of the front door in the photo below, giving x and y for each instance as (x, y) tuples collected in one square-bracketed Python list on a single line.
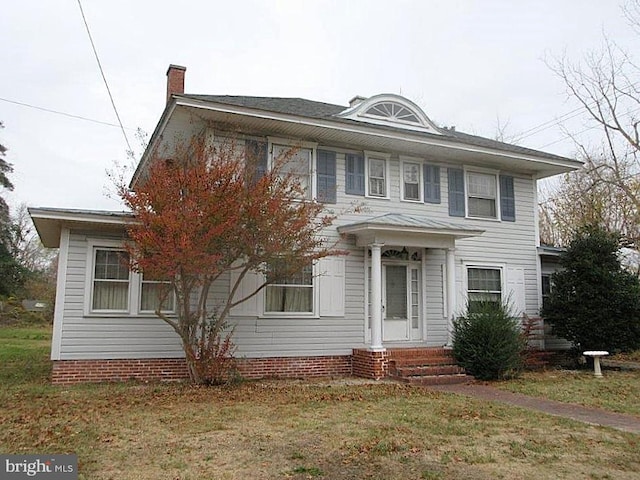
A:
[(395, 303)]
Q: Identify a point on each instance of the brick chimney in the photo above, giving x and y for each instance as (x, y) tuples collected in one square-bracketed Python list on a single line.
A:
[(175, 80)]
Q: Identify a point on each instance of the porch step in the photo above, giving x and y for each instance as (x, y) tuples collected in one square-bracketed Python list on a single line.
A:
[(425, 366)]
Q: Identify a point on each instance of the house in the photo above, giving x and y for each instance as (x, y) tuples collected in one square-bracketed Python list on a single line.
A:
[(450, 217)]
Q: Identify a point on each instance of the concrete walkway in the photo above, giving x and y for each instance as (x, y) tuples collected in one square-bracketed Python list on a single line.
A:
[(593, 416)]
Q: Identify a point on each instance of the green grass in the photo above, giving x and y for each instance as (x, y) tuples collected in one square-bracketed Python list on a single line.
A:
[(616, 391), (24, 353), (293, 430)]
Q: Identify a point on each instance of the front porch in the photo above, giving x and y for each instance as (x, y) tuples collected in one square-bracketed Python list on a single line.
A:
[(410, 292)]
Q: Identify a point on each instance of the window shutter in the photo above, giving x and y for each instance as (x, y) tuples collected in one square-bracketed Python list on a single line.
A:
[(456, 192), (249, 284), (326, 176), (515, 291), (431, 184), (331, 283), (257, 154), (507, 199), (354, 181)]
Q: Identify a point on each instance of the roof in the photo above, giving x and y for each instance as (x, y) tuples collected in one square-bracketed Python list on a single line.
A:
[(49, 222), (328, 111), (412, 230)]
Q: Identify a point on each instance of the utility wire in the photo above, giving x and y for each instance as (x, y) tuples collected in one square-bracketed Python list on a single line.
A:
[(57, 112), (106, 84)]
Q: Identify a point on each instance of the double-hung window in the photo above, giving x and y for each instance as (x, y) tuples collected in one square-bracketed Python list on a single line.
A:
[(484, 285), (289, 293), (482, 195), (110, 282), (411, 189), (156, 294), (377, 176), (297, 162)]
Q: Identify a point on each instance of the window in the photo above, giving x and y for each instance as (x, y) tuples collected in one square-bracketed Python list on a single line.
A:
[(393, 111), (484, 285), (151, 293), (110, 282), (354, 179), (289, 293), (411, 181), (297, 162), (256, 157), (481, 195), (377, 176)]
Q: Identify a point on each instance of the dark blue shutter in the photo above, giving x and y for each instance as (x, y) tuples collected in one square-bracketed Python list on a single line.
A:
[(354, 181), (431, 184), (326, 176), (456, 192), (507, 199), (256, 154)]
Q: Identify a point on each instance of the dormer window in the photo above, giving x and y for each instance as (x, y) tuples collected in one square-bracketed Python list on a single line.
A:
[(389, 110), (393, 112)]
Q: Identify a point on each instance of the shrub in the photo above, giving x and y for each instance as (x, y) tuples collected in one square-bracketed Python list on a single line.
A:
[(213, 353), (594, 302), (488, 342)]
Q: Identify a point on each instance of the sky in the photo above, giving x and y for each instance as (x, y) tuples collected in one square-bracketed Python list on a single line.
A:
[(479, 65)]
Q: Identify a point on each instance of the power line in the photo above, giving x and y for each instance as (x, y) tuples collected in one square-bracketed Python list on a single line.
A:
[(57, 112), (106, 84)]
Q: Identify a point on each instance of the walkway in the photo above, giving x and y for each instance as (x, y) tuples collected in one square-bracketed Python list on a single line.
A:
[(593, 416)]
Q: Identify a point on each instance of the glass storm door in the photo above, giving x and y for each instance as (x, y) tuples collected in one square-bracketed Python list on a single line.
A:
[(396, 303)]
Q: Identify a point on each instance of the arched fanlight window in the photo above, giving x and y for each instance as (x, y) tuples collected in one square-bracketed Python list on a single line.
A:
[(393, 111)]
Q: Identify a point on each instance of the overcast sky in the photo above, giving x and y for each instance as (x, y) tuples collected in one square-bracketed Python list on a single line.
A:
[(472, 64)]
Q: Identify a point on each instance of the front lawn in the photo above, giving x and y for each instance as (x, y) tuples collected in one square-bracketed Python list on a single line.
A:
[(293, 430), (616, 391)]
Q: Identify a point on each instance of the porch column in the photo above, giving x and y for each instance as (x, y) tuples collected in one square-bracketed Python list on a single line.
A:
[(451, 289), (376, 298)]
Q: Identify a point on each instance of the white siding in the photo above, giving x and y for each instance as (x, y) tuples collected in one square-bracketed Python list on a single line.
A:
[(512, 244), (106, 337)]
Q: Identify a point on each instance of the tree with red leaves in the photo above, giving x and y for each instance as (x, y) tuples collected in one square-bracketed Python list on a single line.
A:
[(210, 211)]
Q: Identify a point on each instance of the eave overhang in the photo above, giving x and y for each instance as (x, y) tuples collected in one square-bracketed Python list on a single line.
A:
[(49, 222), (348, 134)]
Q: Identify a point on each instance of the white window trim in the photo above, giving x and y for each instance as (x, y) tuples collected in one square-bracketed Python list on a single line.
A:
[(134, 300), (92, 246), (420, 163), (383, 156), (286, 142), (483, 171), (315, 313), (489, 266)]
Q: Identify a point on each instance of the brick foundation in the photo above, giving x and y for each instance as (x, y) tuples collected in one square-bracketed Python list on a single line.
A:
[(294, 367), (77, 371), (168, 369), (370, 364)]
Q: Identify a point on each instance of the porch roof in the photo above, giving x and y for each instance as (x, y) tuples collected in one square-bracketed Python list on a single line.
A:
[(408, 230)]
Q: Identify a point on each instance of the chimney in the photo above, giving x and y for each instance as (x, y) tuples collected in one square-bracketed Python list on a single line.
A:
[(175, 80), (357, 100)]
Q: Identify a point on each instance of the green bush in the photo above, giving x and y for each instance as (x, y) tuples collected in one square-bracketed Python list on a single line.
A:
[(594, 302), (488, 342)]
